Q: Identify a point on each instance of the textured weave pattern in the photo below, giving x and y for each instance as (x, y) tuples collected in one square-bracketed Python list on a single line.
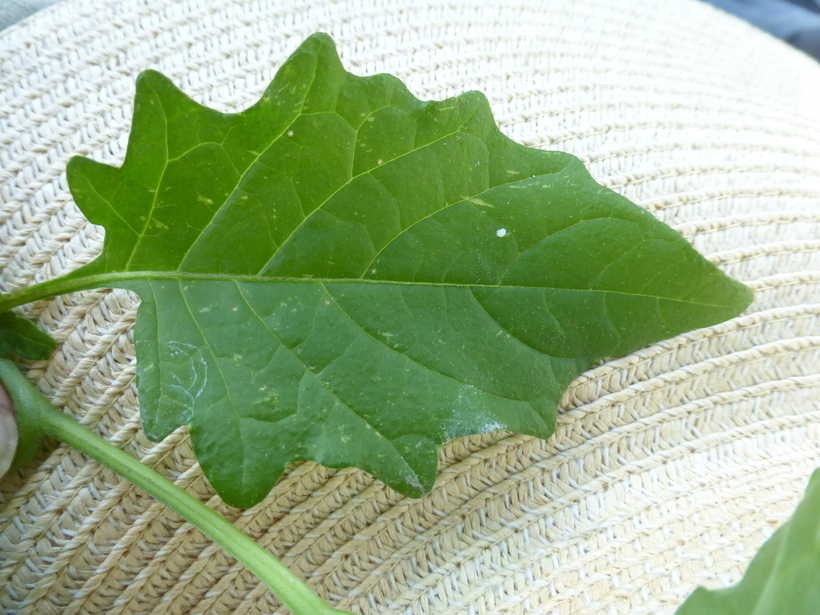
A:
[(668, 468)]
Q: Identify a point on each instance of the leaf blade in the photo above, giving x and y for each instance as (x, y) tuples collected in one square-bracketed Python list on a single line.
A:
[(782, 577), (345, 273), (22, 337)]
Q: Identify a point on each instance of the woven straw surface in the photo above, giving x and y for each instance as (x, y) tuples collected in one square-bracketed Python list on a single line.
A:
[(669, 467)]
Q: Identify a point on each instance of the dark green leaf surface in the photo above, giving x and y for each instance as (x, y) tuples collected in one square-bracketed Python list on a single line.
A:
[(783, 578), (22, 337), (345, 273)]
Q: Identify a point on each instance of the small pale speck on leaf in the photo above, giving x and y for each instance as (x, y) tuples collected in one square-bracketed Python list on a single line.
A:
[(234, 308), (290, 133), (477, 201), (380, 161), (502, 232)]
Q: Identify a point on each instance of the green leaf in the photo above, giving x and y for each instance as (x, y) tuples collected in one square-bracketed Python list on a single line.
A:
[(23, 338), (348, 274), (783, 576)]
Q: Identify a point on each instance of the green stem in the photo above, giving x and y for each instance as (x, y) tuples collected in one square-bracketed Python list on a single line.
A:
[(51, 422), (44, 290)]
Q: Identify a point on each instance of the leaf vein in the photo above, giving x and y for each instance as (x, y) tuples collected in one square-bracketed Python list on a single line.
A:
[(349, 181), (315, 375), (229, 397), (409, 358)]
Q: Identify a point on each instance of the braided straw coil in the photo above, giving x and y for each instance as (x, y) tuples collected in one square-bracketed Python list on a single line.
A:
[(669, 467)]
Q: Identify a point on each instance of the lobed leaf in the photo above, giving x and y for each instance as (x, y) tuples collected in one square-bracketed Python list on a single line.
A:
[(345, 273)]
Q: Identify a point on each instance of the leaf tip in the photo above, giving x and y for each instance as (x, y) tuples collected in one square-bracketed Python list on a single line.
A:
[(320, 38), (156, 89), (80, 165), (151, 78)]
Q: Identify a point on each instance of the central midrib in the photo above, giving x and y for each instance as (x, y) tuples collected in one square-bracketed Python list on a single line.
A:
[(110, 279)]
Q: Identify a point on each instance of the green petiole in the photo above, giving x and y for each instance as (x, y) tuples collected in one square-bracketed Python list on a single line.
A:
[(35, 412)]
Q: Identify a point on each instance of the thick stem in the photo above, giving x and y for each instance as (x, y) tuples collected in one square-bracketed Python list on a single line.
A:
[(290, 588)]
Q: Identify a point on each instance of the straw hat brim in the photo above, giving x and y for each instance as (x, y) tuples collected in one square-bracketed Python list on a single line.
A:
[(668, 468)]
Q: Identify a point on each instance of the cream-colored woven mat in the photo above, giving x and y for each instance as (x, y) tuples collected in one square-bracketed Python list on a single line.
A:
[(669, 467)]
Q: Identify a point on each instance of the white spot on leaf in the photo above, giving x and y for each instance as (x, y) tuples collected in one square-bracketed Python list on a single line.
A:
[(502, 232)]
